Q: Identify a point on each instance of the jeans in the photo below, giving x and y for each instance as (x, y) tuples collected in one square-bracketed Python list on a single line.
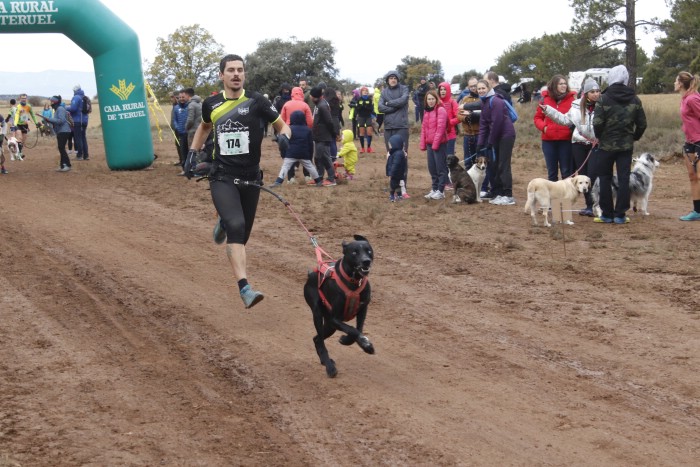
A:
[(78, 137), (584, 166), (469, 150), (622, 161), (437, 166), (557, 155), (451, 143)]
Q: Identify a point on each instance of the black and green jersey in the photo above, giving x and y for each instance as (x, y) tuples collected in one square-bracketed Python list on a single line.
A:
[(238, 128)]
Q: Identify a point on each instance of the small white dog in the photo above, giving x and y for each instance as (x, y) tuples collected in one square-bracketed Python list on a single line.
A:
[(13, 146), (478, 173), (541, 191)]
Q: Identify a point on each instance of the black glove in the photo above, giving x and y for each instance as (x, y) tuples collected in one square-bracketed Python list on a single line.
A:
[(283, 144), (190, 163)]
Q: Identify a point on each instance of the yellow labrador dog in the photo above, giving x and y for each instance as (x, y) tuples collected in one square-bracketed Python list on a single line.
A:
[(541, 191)]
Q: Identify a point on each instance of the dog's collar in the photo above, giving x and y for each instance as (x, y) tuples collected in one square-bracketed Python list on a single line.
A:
[(349, 279)]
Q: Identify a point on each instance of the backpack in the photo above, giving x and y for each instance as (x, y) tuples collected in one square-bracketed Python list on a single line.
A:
[(87, 105), (69, 119), (511, 111)]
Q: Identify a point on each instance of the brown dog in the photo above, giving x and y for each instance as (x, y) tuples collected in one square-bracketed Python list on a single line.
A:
[(464, 188)]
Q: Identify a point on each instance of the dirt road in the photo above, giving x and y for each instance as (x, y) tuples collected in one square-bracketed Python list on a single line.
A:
[(124, 341)]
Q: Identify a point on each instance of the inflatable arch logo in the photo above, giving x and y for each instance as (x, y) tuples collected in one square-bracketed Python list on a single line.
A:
[(114, 48)]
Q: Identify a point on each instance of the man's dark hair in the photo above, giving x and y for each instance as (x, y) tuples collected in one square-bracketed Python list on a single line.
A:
[(13, 102), (190, 91), (230, 58)]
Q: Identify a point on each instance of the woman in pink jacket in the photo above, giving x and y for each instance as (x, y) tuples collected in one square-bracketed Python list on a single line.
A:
[(452, 109), (556, 139), (687, 85), (294, 104), (433, 138)]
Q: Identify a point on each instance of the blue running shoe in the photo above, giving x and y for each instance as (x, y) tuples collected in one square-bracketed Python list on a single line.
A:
[(691, 216), (622, 220), (250, 297), (603, 220)]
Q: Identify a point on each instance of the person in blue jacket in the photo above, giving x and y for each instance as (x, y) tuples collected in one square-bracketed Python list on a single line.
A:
[(62, 129), (80, 121)]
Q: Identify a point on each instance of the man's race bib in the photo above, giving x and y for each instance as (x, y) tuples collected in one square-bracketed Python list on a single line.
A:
[(233, 143)]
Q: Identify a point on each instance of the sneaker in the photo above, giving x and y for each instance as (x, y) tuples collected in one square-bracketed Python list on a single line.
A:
[(482, 195), (3, 171), (308, 178), (86, 158), (329, 183), (392, 198), (292, 181), (449, 186), (370, 150), (219, 232), (310, 181), (65, 168), (586, 212), (275, 185), (79, 158), (399, 198), (569, 222), (250, 297), (622, 220), (507, 201), (496, 200), (182, 173), (430, 195), (691, 216), (438, 195), (362, 150), (405, 196), (318, 184), (603, 220), (487, 195)]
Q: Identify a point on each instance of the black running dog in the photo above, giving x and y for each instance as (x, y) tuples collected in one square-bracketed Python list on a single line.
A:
[(338, 292)]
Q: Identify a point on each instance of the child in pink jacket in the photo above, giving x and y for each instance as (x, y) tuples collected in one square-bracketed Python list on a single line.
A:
[(433, 138)]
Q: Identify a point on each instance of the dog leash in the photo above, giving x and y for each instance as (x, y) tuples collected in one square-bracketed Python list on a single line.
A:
[(320, 252), (585, 160)]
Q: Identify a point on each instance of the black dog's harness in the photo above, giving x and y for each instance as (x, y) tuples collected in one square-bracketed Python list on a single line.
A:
[(330, 271)]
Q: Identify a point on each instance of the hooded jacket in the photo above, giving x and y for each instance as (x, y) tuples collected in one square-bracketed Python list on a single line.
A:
[(494, 124), (583, 131), (554, 131), (301, 144), (393, 102), (348, 152), (451, 107), (194, 116), (324, 129), (619, 119), (397, 162), (433, 132), (76, 108), (297, 103), (59, 121)]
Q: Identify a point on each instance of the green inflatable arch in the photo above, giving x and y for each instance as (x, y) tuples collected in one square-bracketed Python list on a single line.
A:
[(114, 48)]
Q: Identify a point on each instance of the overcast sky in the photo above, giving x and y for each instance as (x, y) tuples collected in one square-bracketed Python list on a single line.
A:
[(370, 38)]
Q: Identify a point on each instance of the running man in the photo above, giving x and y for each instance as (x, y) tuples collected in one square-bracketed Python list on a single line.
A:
[(20, 123), (235, 115)]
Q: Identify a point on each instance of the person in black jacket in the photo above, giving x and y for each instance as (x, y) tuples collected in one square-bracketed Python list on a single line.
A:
[(324, 131), (618, 121)]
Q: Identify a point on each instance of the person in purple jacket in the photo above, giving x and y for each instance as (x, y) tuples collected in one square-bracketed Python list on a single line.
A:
[(497, 137)]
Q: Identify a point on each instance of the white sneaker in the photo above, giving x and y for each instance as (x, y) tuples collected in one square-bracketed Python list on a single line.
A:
[(496, 200), (507, 201), (482, 194), (430, 195), (438, 195), (292, 181), (308, 178)]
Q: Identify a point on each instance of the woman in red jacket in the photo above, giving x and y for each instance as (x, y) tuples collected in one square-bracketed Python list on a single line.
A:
[(556, 139), (433, 138)]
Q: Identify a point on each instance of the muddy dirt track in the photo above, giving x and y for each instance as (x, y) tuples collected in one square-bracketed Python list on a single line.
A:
[(124, 341)]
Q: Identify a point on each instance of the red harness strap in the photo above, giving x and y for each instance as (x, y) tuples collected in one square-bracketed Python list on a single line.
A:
[(352, 297)]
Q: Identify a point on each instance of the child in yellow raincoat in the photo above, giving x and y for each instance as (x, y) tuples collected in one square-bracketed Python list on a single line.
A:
[(349, 154)]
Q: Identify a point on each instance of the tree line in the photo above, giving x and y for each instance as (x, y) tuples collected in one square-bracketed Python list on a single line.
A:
[(602, 35)]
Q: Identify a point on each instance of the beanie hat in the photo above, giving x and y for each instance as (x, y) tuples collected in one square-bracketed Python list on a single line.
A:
[(590, 85), (76, 88), (316, 92), (618, 74), (55, 99)]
